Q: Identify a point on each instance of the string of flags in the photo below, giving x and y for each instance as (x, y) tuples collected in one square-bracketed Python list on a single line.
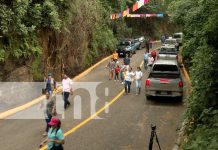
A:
[(136, 6), (126, 12), (144, 15), (161, 15)]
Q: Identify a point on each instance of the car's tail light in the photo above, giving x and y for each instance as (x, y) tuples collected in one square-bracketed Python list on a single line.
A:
[(147, 83), (180, 84), (177, 57)]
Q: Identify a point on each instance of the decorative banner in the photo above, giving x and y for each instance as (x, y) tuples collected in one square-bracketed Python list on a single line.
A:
[(160, 15), (144, 15), (134, 15)]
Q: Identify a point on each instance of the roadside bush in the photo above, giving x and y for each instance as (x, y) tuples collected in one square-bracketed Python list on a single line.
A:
[(200, 53)]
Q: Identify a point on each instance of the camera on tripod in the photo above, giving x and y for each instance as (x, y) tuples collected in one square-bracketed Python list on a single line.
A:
[(153, 127)]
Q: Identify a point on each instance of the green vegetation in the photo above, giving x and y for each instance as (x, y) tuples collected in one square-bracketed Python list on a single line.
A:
[(20, 23), (200, 23), (29, 29)]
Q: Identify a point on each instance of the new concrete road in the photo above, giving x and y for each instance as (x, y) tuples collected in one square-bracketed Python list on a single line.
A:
[(124, 125)]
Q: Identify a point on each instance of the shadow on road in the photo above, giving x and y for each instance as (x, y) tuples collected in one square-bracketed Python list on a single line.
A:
[(164, 101)]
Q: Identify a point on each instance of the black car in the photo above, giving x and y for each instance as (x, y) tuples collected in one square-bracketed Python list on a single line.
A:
[(126, 47)]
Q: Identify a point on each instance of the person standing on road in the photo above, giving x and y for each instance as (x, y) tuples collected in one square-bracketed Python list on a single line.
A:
[(111, 66), (122, 69), (50, 111), (117, 71), (147, 45), (50, 84), (115, 56), (150, 60), (163, 39), (145, 59), (126, 61), (128, 80), (138, 80), (154, 54), (66, 90), (55, 138)]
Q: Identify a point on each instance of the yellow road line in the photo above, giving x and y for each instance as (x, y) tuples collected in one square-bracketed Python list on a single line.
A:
[(89, 69), (141, 64), (12, 111), (91, 117)]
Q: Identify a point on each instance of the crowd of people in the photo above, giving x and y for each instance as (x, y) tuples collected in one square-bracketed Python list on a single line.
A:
[(55, 136), (123, 72), (119, 71)]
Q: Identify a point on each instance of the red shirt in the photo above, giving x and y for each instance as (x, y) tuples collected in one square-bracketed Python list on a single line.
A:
[(153, 53), (117, 70)]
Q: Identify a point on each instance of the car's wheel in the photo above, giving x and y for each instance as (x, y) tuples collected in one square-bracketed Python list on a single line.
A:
[(148, 97), (180, 98)]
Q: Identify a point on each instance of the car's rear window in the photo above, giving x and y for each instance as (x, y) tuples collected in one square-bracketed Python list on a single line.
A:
[(170, 42), (167, 51), (124, 43), (165, 68), (164, 75), (177, 36)]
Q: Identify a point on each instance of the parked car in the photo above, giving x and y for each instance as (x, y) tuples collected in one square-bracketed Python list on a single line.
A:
[(137, 44), (142, 41), (178, 37), (170, 42), (168, 53), (126, 47), (164, 80)]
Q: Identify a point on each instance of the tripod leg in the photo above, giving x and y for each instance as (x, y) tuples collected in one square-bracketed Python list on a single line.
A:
[(151, 140), (157, 140)]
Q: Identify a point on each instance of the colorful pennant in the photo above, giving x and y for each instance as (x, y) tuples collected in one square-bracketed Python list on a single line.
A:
[(135, 7)]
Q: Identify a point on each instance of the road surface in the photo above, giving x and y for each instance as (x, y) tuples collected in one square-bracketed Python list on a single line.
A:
[(125, 125)]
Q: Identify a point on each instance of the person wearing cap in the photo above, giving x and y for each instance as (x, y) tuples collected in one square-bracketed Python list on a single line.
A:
[(55, 138), (50, 84), (154, 54), (67, 89)]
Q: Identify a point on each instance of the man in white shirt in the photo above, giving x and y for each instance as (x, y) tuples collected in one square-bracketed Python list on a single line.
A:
[(67, 89), (138, 80), (128, 80)]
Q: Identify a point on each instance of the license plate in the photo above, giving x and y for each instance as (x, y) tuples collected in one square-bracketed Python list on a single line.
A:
[(163, 93), (121, 53), (164, 81)]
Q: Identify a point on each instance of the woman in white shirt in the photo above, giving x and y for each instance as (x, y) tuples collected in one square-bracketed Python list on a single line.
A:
[(150, 60), (128, 80), (138, 80)]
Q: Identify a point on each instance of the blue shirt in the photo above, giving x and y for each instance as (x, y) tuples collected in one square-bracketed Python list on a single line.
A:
[(126, 61), (50, 84), (55, 136), (145, 56)]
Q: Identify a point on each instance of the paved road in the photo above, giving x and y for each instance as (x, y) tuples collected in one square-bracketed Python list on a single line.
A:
[(124, 126)]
